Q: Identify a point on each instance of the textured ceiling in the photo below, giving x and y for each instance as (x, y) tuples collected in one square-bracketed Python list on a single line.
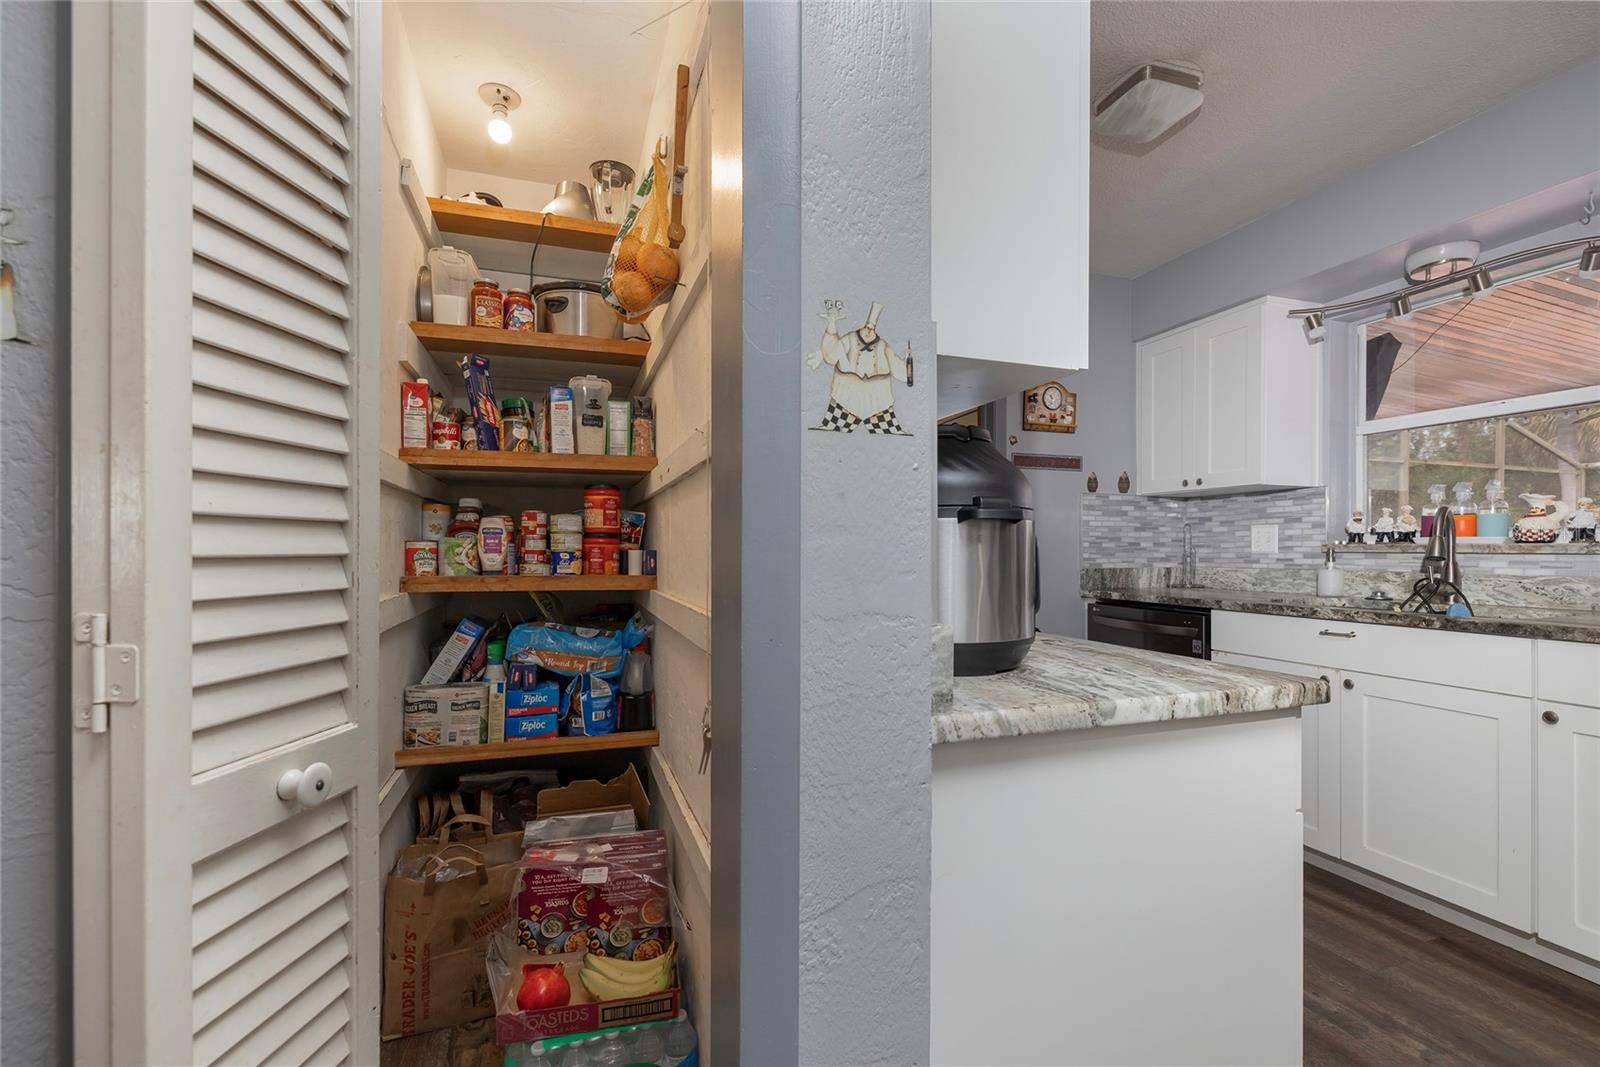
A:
[(1297, 95), (586, 72)]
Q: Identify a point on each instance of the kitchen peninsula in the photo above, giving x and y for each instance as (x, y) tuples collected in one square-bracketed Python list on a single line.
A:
[(1117, 861)]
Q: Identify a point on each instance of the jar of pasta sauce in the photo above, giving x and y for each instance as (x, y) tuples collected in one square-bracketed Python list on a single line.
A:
[(486, 304), (517, 310), (600, 554)]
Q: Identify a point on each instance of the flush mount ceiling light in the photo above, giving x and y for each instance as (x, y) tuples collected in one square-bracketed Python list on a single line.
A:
[(1148, 101), (502, 100), (1439, 260)]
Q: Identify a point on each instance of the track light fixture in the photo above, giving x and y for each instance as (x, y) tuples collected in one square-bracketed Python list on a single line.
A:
[(1400, 308), (1479, 284), (1315, 330), (1589, 264)]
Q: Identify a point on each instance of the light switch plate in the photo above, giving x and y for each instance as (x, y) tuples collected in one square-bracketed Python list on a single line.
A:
[(1264, 539)]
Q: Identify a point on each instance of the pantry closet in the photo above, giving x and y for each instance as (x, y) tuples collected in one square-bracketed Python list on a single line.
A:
[(251, 202)]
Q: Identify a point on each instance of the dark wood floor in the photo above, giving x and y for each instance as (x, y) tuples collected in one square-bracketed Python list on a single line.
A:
[(1386, 984)]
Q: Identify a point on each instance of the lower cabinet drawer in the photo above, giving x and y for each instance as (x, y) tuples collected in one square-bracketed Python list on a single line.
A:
[(1568, 672), (1467, 661)]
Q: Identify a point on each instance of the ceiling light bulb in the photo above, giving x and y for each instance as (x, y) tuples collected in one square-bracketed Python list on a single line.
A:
[(1400, 308), (1589, 264), (1314, 327), (1479, 284), (499, 126)]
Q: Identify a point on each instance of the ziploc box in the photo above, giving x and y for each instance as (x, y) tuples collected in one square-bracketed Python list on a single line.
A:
[(467, 634), (561, 438), (533, 712)]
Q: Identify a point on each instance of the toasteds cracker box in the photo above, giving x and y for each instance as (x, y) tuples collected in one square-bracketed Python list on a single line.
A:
[(605, 895), (446, 715)]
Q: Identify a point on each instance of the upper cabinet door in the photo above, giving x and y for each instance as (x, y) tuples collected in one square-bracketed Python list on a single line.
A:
[(1165, 382), (1010, 196), (1226, 400)]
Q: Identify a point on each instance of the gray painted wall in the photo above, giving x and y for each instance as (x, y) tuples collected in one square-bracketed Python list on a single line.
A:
[(1105, 440), (1518, 168), (34, 738), (866, 509)]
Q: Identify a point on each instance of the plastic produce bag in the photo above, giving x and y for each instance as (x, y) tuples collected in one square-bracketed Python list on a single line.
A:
[(643, 267)]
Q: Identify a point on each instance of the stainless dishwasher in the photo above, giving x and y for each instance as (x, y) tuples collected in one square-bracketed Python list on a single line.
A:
[(1157, 627)]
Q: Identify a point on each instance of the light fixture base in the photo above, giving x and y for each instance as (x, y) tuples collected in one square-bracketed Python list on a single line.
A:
[(1437, 260), (492, 93), (1147, 101)]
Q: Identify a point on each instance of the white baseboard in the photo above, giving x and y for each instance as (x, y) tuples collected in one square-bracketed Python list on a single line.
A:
[(1527, 944)]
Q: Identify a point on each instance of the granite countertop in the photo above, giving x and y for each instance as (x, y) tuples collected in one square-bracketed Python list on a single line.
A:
[(1552, 624), (1068, 684)]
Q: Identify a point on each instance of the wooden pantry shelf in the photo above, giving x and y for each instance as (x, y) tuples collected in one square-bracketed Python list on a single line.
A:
[(444, 337), (509, 224), (530, 468), (504, 750), (527, 583)]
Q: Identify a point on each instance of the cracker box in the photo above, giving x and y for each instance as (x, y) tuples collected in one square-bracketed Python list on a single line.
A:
[(445, 715)]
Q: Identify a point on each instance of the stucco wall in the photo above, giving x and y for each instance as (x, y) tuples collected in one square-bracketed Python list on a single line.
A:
[(34, 732), (865, 567), (1104, 438)]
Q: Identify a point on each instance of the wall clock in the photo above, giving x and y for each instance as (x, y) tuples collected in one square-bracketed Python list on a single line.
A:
[(1051, 407)]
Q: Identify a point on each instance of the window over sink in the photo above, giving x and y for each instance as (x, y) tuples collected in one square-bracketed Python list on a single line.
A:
[(1504, 386)]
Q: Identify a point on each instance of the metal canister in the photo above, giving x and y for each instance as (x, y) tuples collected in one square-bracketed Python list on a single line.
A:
[(535, 525), (535, 561), (422, 558), (446, 434)]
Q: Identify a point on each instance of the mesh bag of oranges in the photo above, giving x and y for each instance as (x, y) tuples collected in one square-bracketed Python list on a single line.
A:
[(643, 268)]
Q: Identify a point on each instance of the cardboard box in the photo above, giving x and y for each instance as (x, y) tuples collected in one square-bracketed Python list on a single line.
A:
[(445, 715), (525, 727), (454, 653), (622, 792), (583, 1015)]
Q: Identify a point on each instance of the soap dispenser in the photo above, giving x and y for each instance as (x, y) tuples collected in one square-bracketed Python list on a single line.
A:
[(1330, 579), (1435, 502), (1494, 518)]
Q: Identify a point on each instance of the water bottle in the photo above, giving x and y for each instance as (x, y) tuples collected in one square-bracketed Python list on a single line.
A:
[(646, 1047), (683, 1045)]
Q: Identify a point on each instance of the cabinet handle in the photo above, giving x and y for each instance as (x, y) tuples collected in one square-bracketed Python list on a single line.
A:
[(1199, 481), (1325, 679), (1336, 633), (1348, 684), (1551, 717), (1186, 481)]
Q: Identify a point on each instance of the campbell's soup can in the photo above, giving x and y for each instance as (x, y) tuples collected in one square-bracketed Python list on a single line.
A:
[(422, 558), (535, 525), (602, 509), (600, 554), (535, 561), (446, 434)]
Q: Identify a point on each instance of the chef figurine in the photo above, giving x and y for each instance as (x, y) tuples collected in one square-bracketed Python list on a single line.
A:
[(1383, 529), (1405, 527), (865, 367), (1356, 528), (1583, 521)]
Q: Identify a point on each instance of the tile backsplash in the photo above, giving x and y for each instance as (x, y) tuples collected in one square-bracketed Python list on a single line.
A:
[(1121, 530)]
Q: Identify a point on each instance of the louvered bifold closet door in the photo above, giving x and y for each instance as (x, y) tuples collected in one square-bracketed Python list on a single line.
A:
[(273, 918)]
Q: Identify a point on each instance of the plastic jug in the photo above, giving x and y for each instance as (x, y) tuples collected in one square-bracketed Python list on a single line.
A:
[(453, 272)]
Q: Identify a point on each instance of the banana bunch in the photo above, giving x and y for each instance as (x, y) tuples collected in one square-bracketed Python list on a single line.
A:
[(614, 979)]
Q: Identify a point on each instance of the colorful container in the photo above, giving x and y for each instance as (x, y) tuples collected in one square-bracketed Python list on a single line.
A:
[(422, 558), (435, 520), (602, 510), (600, 554), (535, 525), (569, 564), (535, 561)]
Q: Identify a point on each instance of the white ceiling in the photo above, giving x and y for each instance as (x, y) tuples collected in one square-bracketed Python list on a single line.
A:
[(1297, 95), (586, 72)]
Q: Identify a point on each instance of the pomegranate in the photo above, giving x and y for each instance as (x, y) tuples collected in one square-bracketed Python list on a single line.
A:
[(543, 986)]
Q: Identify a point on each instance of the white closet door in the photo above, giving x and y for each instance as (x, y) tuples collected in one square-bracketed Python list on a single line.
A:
[(242, 480)]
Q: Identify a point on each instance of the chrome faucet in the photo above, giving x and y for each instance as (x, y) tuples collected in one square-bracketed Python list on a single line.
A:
[(1439, 588)]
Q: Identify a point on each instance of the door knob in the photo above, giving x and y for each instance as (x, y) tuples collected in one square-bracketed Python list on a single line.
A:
[(1348, 684), (1551, 717), (1199, 481), (309, 787), (1186, 481)]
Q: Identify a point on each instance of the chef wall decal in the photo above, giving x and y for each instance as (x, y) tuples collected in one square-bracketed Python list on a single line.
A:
[(865, 368)]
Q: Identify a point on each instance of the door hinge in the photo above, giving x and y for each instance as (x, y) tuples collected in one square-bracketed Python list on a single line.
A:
[(113, 672)]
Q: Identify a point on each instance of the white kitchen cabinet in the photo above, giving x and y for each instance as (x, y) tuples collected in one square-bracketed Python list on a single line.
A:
[(1568, 760), (1230, 403), (1436, 788), (1010, 197), (1319, 750)]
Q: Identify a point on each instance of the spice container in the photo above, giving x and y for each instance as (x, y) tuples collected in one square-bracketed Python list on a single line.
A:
[(644, 426), (435, 521), (516, 311), (422, 558), (486, 304), (602, 509)]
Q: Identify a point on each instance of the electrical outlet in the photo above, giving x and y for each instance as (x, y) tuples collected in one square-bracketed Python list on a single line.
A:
[(1264, 539)]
